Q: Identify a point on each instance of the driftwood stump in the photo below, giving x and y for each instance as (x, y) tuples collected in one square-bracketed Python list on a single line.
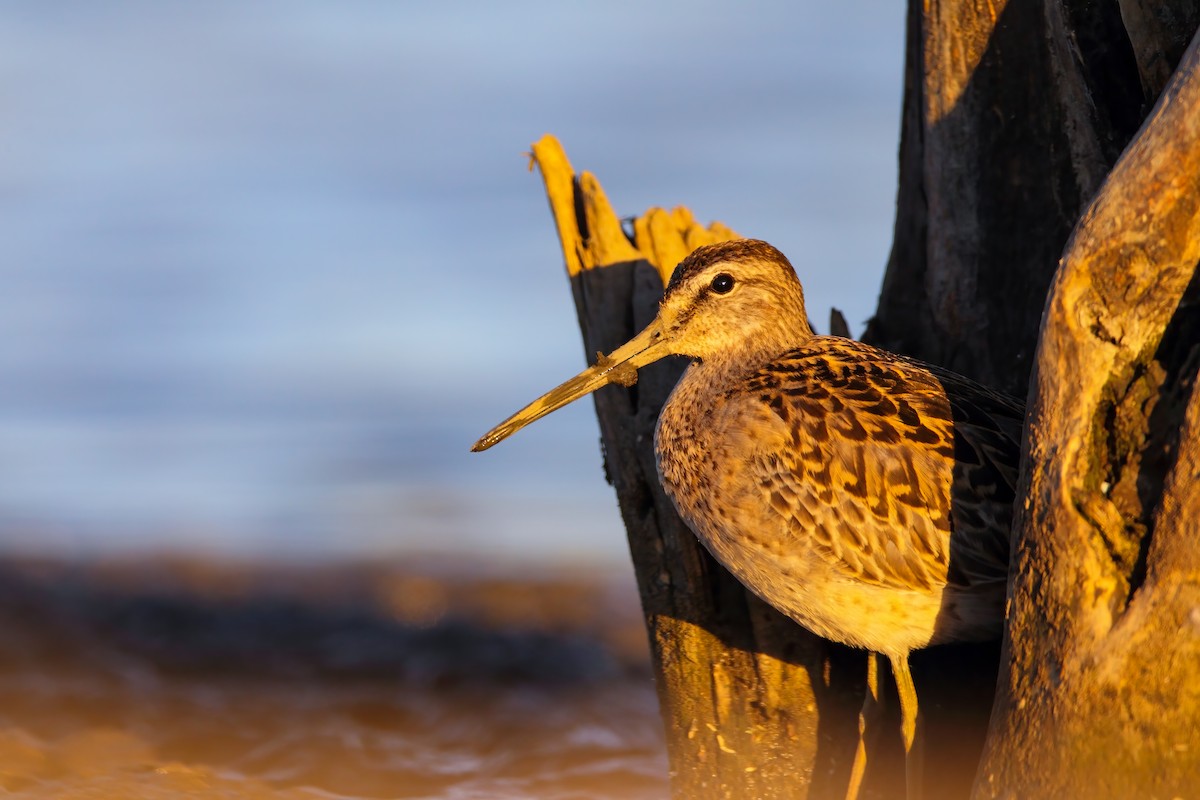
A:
[(1103, 653)]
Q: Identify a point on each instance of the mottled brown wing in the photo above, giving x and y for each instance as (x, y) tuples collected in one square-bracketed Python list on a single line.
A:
[(896, 476), (987, 453)]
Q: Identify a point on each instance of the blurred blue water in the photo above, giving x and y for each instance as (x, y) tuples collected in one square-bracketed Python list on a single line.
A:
[(270, 268)]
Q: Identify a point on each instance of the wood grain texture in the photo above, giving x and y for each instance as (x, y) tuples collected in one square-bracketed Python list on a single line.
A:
[(987, 193), (1013, 115), (1159, 33), (1098, 690)]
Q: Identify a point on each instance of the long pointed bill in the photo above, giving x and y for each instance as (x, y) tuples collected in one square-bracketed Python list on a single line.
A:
[(620, 366)]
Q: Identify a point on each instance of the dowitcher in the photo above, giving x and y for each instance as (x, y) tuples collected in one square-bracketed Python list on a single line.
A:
[(865, 494)]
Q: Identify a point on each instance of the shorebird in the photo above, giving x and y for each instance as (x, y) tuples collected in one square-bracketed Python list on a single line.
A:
[(864, 494)]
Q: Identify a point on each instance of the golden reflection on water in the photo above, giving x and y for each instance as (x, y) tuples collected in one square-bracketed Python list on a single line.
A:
[(197, 680)]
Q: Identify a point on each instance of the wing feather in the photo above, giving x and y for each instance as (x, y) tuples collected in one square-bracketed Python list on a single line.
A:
[(898, 474)]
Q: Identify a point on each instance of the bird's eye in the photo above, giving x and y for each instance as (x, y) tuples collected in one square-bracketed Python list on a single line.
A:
[(723, 283)]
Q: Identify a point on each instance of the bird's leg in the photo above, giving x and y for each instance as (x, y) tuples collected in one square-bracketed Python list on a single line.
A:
[(868, 722), (910, 727)]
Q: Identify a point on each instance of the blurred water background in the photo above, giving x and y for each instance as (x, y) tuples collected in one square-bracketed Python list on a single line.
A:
[(269, 270)]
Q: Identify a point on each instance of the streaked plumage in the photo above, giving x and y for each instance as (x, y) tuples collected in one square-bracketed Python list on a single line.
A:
[(867, 495)]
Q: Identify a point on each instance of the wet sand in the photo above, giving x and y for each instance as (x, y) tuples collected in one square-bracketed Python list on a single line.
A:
[(176, 679)]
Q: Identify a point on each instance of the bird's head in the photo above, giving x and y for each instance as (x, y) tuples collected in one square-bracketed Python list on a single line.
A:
[(733, 299)]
